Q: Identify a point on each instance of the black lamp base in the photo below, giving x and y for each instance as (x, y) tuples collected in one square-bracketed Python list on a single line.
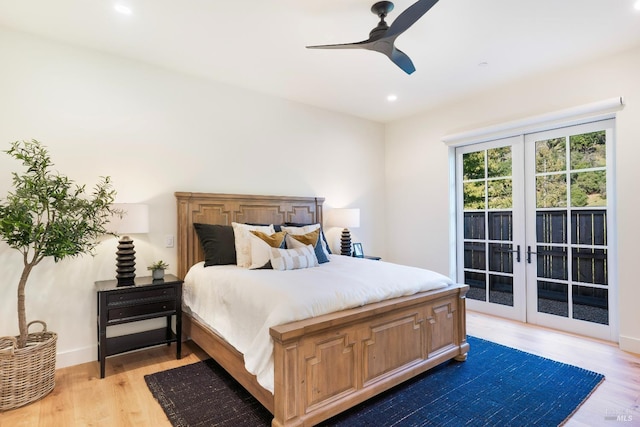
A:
[(126, 262), (345, 243)]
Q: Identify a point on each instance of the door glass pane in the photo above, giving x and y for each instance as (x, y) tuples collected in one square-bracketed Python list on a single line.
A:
[(499, 162), (473, 195), (589, 227), (477, 285), (473, 165), (474, 255), (501, 289), (551, 226), (553, 298), (551, 191), (500, 258), (500, 225), (589, 265), (474, 225), (551, 155), (588, 150), (500, 194), (552, 262), (591, 304), (589, 188)]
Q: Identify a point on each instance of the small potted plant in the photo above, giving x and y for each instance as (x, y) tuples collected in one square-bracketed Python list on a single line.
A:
[(157, 269)]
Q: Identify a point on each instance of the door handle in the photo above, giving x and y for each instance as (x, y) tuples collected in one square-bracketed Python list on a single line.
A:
[(529, 252), (517, 251)]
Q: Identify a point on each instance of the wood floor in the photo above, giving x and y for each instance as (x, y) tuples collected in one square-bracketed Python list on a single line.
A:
[(122, 398)]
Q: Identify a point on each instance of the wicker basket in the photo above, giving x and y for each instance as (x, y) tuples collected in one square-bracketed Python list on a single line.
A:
[(27, 374)]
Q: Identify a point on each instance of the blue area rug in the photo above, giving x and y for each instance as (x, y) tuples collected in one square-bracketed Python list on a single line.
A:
[(496, 386)]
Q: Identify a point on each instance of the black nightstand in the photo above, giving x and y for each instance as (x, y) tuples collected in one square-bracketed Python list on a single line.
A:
[(146, 299)]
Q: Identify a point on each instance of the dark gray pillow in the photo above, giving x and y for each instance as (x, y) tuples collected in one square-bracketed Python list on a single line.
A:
[(218, 243)]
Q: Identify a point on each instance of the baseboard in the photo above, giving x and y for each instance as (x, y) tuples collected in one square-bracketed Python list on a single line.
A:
[(90, 353), (630, 344), (76, 357)]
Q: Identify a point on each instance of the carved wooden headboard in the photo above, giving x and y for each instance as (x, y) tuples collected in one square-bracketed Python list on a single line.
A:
[(211, 208)]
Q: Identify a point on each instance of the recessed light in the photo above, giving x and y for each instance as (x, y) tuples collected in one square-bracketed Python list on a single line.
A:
[(125, 10), (392, 98), (637, 5)]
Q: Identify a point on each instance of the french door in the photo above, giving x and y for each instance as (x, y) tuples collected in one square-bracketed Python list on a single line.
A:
[(534, 228)]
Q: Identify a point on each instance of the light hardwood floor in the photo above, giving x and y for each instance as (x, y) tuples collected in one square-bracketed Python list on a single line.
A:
[(122, 398)]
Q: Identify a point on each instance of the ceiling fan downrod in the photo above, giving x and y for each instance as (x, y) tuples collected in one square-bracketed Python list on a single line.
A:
[(381, 9)]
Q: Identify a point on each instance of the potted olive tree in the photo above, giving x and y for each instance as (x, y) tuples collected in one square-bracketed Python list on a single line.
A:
[(46, 215)]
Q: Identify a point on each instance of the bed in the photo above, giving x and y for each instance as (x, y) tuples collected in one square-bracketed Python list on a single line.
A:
[(325, 364)]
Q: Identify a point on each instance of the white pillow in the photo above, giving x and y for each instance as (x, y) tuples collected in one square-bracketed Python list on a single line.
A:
[(292, 259), (307, 229), (243, 242)]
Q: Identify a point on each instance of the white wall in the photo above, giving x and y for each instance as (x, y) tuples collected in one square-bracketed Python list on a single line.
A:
[(156, 132), (417, 165)]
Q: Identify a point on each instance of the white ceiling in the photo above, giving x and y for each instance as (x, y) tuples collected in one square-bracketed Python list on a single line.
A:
[(260, 44)]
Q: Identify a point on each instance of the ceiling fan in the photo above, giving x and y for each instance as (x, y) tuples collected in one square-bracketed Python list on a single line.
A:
[(382, 37)]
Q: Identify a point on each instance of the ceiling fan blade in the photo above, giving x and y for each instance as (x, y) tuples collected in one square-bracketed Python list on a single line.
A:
[(357, 45), (402, 60), (409, 17)]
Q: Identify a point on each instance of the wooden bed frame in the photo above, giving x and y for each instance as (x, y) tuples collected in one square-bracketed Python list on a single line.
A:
[(327, 364)]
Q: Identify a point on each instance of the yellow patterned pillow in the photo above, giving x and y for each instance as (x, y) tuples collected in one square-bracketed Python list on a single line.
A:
[(260, 245), (307, 239), (274, 240)]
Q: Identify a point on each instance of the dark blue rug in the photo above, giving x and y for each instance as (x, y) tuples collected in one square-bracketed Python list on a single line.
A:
[(496, 386)]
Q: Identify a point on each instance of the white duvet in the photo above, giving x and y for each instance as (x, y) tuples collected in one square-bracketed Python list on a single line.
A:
[(241, 304)]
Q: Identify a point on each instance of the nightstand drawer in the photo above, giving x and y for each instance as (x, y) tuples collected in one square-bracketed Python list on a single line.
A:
[(140, 310), (139, 296)]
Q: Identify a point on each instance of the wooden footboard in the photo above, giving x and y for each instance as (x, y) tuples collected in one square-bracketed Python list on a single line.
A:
[(330, 363), (326, 365)]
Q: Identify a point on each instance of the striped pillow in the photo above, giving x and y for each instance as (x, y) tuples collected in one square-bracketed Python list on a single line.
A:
[(313, 239), (292, 259)]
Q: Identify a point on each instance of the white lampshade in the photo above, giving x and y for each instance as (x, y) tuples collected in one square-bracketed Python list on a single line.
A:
[(130, 218), (134, 220), (345, 218)]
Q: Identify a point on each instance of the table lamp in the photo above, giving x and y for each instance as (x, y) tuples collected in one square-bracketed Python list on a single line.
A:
[(127, 218), (345, 218)]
